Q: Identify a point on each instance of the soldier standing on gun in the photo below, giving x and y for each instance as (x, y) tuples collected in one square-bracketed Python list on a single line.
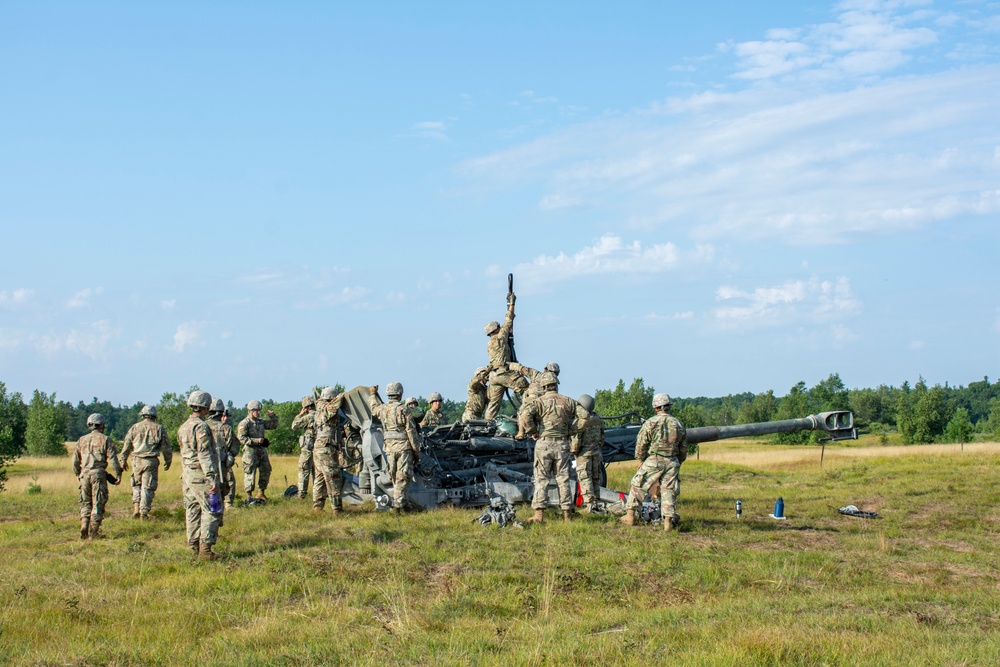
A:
[(200, 477), (661, 448), (401, 442), (476, 404), (434, 416), (228, 446), (586, 447), (250, 433), (304, 422), (552, 418), (94, 452), (146, 441), (498, 348), (329, 476)]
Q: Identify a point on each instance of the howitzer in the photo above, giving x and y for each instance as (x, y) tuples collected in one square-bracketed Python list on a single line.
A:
[(470, 463)]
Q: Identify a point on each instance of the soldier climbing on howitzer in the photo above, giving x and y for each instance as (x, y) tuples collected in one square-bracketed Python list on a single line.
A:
[(146, 441), (328, 481), (586, 447), (661, 448), (533, 376), (305, 422), (250, 433), (551, 418), (500, 352), (94, 453), (433, 417), (475, 406), (400, 437), (228, 447)]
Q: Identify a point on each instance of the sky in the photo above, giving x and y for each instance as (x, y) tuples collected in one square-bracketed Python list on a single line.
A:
[(262, 197)]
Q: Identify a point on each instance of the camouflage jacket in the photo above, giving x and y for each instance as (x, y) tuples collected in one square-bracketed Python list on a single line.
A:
[(534, 389), (305, 422), (225, 441), (591, 439), (661, 435), (94, 452), (398, 428), (552, 416), (498, 348), (198, 451), (147, 439), (251, 429), (432, 418), (476, 405), (326, 424)]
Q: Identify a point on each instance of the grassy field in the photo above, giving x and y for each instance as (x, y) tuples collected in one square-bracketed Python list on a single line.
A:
[(919, 587)]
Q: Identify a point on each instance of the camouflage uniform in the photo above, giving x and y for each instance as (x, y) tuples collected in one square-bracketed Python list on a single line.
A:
[(587, 448), (501, 375), (432, 418), (228, 447), (329, 475), (146, 441), (255, 456), (200, 459), (304, 422), (661, 446), (476, 404), (401, 444), (552, 416), (94, 452)]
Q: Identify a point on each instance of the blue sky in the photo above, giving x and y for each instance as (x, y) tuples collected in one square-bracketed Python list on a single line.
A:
[(716, 197)]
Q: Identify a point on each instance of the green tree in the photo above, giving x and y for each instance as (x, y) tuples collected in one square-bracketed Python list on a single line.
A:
[(829, 394), (794, 406), (172, 411), (13, 425), (760, 409), (959, 429), (46, 429), (283, 439), (637, 398)]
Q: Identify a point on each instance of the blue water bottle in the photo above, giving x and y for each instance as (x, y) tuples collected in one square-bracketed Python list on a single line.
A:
[(214, 502), (779, 508)]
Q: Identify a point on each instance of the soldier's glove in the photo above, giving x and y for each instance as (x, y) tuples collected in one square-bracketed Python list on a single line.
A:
[(270, 413), (511, 298), (265, 442), (114, 480), (373, 390), (166, 467)]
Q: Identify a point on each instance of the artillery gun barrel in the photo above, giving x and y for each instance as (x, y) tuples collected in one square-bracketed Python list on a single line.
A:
[(838, 424)]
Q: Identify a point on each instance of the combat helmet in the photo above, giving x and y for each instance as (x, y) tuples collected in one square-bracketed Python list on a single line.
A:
[(491, 327), (661, 400), (200, 399), (95, 420), (328, 394), (552, 367), (548, 379), (434, 397), (148, 411), (308, 401), (217, 406), (394, 389), (587, 401), (410, 400), (254, 405)]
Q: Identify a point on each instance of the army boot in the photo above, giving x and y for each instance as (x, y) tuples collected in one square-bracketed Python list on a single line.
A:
[(567, 516), (538, 518), (260, 494), (338, 506), (84, 527), (194, 547), (206, 553), (629, 518), (135, 510), (95, 530), (397, 510)]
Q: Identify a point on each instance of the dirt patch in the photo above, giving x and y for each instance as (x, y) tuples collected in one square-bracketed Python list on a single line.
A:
[(955, 545), (444, 577)]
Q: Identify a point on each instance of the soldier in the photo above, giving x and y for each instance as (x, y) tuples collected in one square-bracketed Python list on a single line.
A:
[(146, 441), (498, 348), (476, 404), (534, 388), (434, 416), (586, 447), (414, 407), (661, 448), (94, 452), (329, 476), (228, 446), (200, 477), (401, 443), (304, 422), (250, 433), (551, 418)]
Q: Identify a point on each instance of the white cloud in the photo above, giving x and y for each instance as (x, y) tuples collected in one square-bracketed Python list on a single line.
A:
[(91, 341), (809, 302), (168, 304), (345, 295), (82, 298), (430, 129), (917, 345), (186, 335), (16, 297)]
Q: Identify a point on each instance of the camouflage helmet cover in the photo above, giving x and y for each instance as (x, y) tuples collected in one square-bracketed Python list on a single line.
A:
[(491, 327), (227, 412), (548, 380), (254, 405), (661, 400), (394, 389), (199, 399), (308, 401), (328, 394), (96, 419), (148, 411), (218, 405), (434, 397), (552, 367), (587, 401), (482, 369), (410, 400)]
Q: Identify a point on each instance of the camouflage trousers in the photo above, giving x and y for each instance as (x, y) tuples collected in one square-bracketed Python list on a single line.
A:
[(498, 382), (400, 471), (552, 459), (256, 460), (306, 471), (145, 479), (231, 484), (656, 470), (202, 523), (328, 481), (588, 471), (93, 495)]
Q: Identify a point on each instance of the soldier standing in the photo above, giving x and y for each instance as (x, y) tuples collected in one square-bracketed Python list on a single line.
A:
[(552, 418), (498, 349), (661, 448), (329, 476), (200, 477), (146, 441), (304, 422), (228, 446), (401, 443), (586, 447), (413, 405), (434, 416), (476, 404), (94, 452), (250, 433)]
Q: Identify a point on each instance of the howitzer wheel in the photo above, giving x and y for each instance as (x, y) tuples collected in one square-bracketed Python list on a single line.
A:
[(352, 454)]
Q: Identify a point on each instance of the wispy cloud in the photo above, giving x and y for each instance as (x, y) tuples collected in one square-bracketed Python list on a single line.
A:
[(430, 129), (812, 301), (187, 335), (82, 298), (16, 297), (91, 341), (168, 304)]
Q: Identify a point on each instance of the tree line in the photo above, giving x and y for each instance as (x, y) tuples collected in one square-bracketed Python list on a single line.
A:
[(918, 413)]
